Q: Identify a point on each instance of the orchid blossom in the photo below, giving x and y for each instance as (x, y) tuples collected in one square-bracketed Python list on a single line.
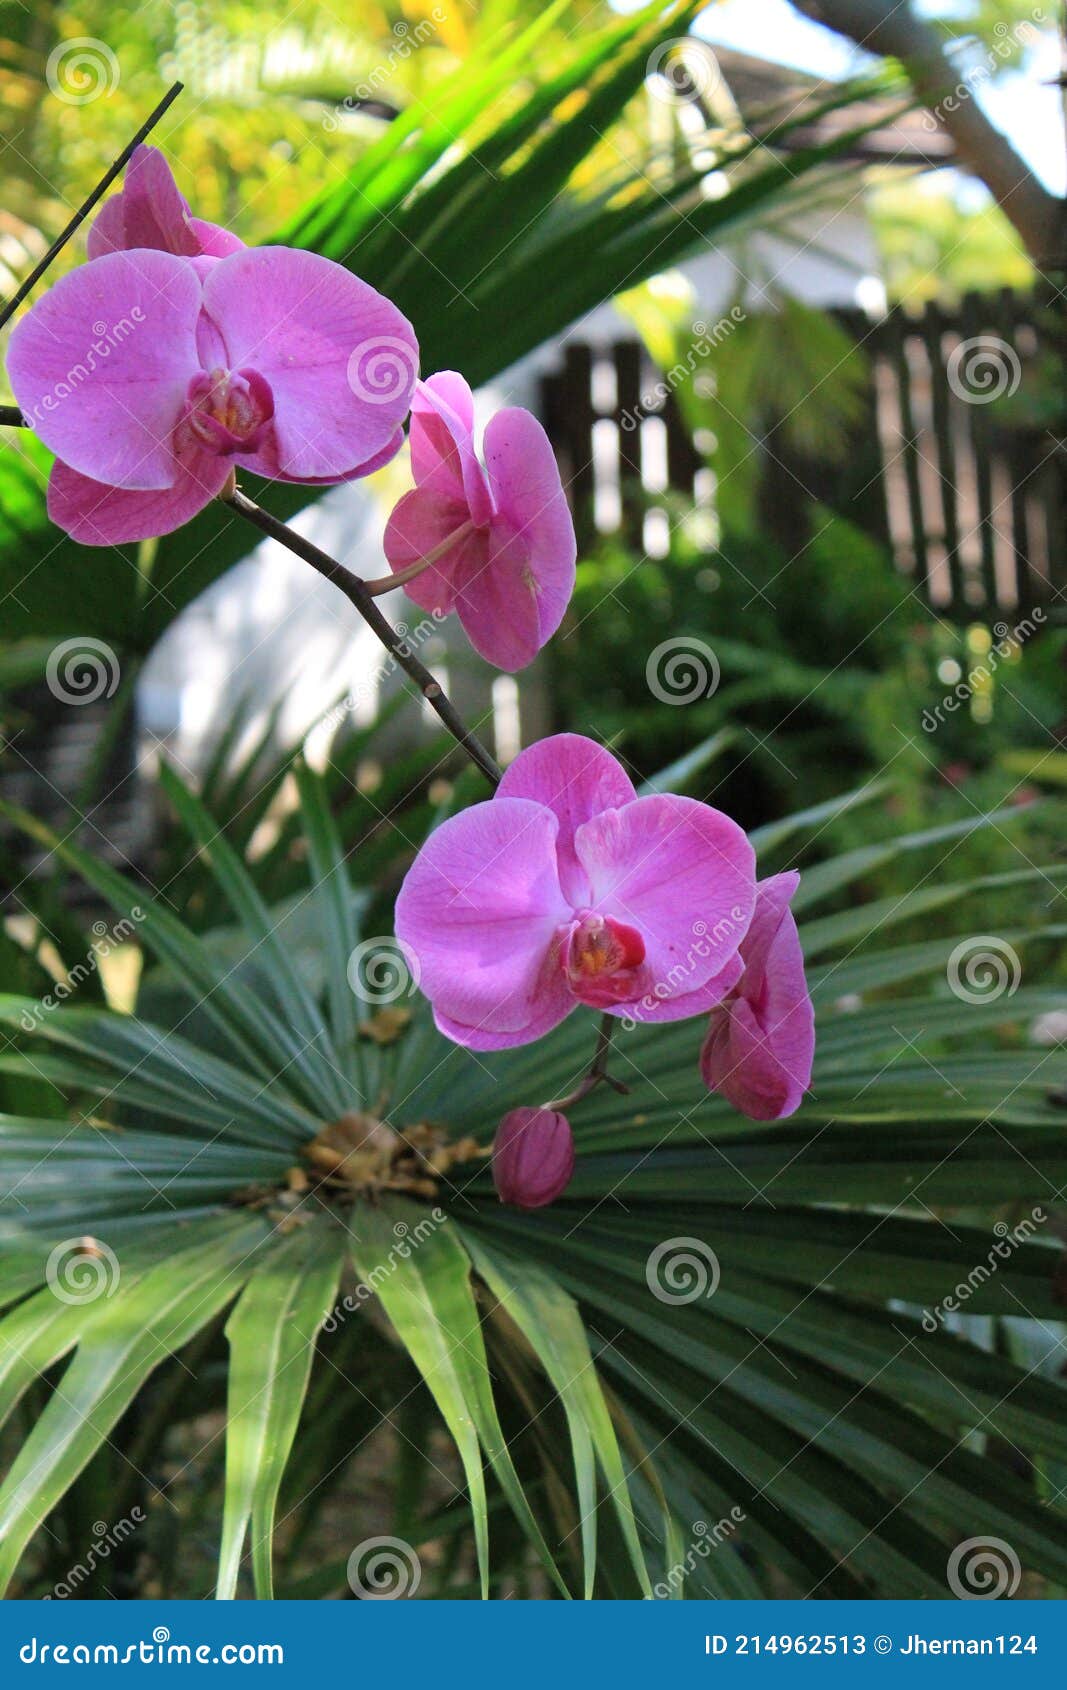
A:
[(566, 888), (494, 544), (152, 377)]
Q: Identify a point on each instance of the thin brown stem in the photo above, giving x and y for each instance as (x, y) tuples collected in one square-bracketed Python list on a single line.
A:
[(357, 594), (598, 1071), (82, 213), (12, 417), (385, 583)]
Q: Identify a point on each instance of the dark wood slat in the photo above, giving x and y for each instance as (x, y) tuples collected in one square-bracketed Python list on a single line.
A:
[(970, 480)]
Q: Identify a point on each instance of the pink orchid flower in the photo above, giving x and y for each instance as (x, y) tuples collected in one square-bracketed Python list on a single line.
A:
[(150, 212), (566, 888), (761, 1041), (151, 377), (501, 538)]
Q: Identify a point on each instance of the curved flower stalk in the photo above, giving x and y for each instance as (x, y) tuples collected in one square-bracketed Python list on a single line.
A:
[(566, 888), (500, 537)]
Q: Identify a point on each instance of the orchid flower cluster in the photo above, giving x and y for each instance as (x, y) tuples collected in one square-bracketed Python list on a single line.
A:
[(177, 355)]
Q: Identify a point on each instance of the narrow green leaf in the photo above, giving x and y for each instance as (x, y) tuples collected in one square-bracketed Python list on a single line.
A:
[(123, 1339), (550, 1321), (272, 1334), (425, 1288)]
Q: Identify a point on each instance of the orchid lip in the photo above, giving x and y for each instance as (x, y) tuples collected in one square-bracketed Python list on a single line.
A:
[(602, 959), (229, 410)]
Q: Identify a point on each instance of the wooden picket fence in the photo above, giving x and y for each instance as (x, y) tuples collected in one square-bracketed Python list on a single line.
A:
[(952, 465)]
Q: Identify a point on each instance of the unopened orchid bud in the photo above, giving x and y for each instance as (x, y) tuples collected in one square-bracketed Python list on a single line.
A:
[(533, 1157)]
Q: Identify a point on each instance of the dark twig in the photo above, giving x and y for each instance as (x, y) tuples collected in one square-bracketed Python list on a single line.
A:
[(82, 213), (12, 417), (598, 1072), (355, 591)]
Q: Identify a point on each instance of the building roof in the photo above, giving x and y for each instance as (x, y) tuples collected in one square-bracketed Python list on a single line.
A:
[(764, 92)]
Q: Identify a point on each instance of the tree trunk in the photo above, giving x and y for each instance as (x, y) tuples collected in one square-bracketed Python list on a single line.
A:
[(893, 31)]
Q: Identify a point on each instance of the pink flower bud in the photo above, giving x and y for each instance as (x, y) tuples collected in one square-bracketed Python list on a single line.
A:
[(533, 1157)]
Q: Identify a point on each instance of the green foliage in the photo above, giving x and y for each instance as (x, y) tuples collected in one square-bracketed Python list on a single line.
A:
[(449, 213), (933, 246), (827, 1431)]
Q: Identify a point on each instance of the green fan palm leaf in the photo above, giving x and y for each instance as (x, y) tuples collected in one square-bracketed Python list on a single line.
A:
[(811, 1409)]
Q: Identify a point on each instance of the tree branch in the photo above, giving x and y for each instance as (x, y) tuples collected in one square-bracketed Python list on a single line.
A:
[(357, 593), (894, 31)]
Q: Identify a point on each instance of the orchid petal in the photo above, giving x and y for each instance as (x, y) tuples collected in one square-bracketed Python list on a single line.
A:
[(479, 910), (341, 359), (98, 515), (576, 778), (680, 872), (101, 365)]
